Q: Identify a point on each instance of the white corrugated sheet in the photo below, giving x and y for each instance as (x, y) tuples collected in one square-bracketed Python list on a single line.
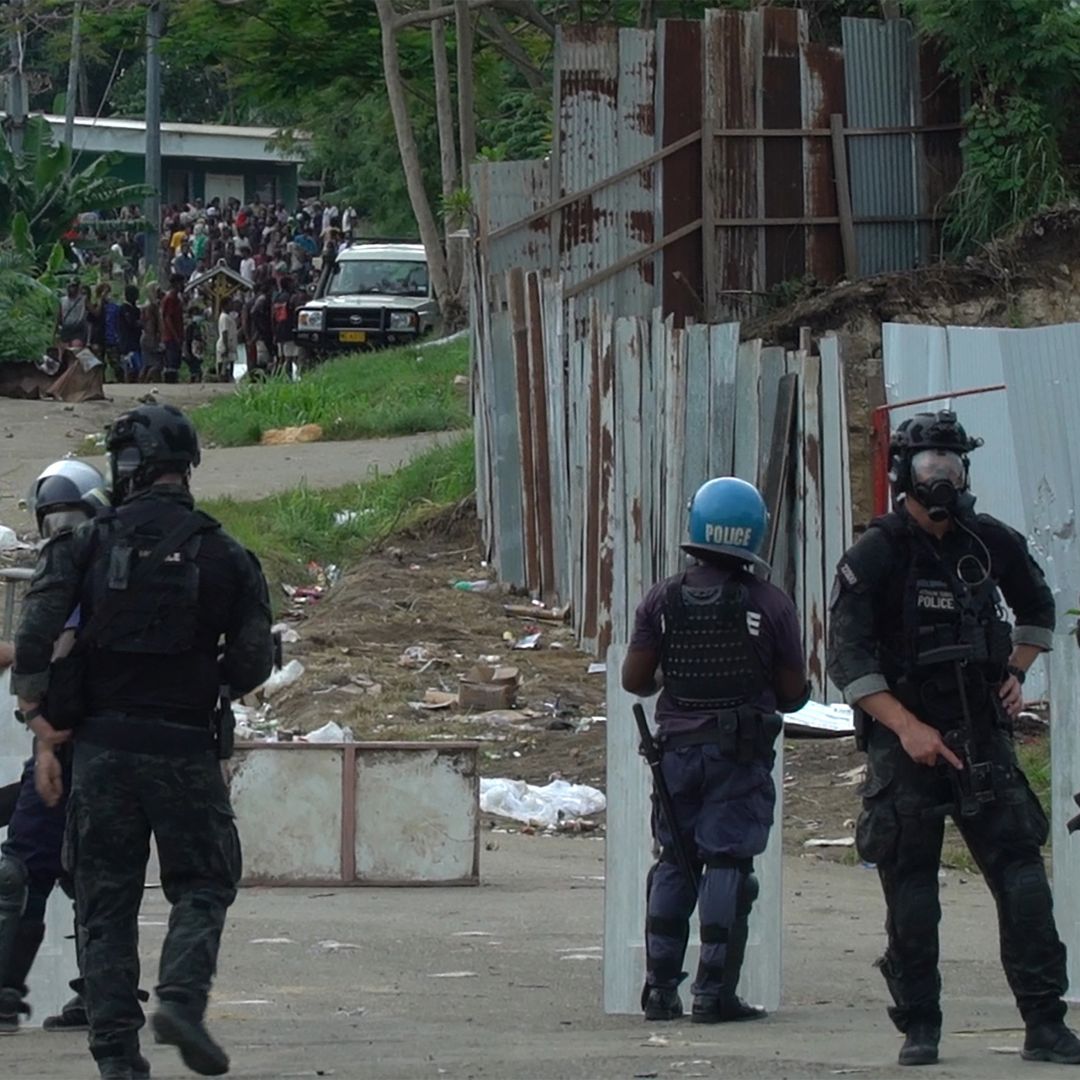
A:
[(1042, 371), (922, 360)]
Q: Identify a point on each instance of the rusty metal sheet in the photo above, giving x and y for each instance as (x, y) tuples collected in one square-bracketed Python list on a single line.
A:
[(674, 426), (586, 113), (679, 113), (723, 357), (504, 192), (695, 470), (813, 586), (784, 32), (732, 100), (940, 160), (593, 480), (880, 76), (822, 95), (748, 447), (635, 288)]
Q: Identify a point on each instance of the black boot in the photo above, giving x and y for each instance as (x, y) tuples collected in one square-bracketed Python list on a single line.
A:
[(175, 1025), (663, 1004), (13, 1008), (920, 1043), (140, 1068), (114, 1068), (72, 1017), (1051, 1041), (710, 1009)]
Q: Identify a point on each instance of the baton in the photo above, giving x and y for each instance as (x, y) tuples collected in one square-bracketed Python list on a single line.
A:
[(650, 751)]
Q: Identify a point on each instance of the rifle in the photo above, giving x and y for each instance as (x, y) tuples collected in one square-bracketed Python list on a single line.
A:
[(650, 751), (973, 785)]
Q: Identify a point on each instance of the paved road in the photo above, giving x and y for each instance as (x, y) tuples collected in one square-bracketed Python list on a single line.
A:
[(35, 433), (530, 1007)]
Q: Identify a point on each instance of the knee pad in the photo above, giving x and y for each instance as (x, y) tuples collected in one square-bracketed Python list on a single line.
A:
[(748, 893), (13, 885), (1026, 894)]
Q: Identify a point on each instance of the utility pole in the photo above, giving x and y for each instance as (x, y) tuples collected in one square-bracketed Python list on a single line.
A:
[(155, 28), (73, 77), (16, 102)]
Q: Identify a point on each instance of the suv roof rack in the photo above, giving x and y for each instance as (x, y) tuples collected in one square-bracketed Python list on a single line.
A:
[(384, 240)]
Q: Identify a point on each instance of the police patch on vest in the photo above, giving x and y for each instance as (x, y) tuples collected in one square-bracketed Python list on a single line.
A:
[(729, 535), (753, 623), (848, 574), (934, 596)]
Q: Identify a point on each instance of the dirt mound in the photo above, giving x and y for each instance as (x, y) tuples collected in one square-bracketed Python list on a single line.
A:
[(1029, 278), (353, 639)]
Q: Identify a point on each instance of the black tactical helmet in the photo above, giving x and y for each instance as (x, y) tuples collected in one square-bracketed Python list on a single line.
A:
[(148, 442), (937, 431), (932, 431)]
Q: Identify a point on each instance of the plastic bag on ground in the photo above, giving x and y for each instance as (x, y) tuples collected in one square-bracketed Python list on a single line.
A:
[(533, 804), (279, 680), (329, 733)]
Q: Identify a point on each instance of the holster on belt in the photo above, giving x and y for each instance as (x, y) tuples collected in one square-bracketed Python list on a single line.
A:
[(742, 733)]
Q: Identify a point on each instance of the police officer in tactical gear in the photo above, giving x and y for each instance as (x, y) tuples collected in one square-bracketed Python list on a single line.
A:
[(920, 645), (66, 494), (162, 590), (729, 647)]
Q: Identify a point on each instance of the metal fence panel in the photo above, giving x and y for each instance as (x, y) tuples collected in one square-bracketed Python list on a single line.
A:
[(1044, 400), (505, 192), (587, 59), (635, 288), (879, 70)]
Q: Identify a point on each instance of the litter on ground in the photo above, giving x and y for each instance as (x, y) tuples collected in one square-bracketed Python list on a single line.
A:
[(535, 805)]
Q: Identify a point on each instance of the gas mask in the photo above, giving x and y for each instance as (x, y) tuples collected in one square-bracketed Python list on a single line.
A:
[(939, 480)]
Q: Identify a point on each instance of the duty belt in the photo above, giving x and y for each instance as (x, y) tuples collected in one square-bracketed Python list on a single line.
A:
[(146, 735), (743, 733)]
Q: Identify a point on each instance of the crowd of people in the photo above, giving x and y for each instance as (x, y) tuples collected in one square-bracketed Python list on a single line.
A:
[(149, 334)]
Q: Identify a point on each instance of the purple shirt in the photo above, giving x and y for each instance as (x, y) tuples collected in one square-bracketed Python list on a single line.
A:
[(774, 629)]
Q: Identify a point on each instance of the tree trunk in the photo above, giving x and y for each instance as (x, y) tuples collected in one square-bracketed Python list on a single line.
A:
[(73, 76), (410, 156), (444, 107), (466, 111)]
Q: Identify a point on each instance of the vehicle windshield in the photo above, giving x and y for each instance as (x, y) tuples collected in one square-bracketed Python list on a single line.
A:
[(387, 277)]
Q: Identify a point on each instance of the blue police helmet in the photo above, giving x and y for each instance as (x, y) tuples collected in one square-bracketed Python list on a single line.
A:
[(728, 517)]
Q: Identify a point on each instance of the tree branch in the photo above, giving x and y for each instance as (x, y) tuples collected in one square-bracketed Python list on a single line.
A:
[(524, 9), (507, 45)]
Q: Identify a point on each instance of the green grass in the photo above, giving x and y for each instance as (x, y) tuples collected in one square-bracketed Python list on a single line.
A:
[(1034, 757), (365, 395), (293, 528)]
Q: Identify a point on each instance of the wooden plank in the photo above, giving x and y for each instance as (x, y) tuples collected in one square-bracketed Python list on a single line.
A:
[(653, 408), (674, 449), (593, 479), (519, 330), (506, 446), (775, 480), (605, 563), (834, 486), (630, 436), (815, 590), (773, 367), (798, 505), (537, 360), (696, 446), (558, 449), (747, 421), (723, 359), (628, 849), (843, 196)]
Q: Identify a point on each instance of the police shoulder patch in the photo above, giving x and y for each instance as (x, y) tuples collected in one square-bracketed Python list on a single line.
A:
[(846, 571)]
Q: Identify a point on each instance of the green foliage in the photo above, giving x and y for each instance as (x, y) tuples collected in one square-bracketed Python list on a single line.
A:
[(41, 184), (520, 128), (1034, 758), (1012, 169), (288, 530), (1021, 59), (394, 392), (27, 306)]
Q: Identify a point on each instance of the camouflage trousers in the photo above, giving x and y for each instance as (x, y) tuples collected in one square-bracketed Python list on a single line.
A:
[(119, 799), (901, 829)]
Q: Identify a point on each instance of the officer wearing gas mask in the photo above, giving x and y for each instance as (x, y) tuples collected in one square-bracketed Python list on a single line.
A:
[(920, 645), (163, 592), (66, 494), (726, 646)]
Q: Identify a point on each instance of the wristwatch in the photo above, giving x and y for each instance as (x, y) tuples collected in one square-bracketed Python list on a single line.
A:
[(1019, 673), (25, 717)]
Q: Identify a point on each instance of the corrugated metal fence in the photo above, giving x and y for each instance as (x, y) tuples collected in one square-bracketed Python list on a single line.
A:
[(698, 166), (591, 443)]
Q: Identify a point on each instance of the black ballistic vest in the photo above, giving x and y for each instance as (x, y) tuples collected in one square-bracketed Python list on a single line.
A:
[(708, 655), (160, 616), (943, 619)]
